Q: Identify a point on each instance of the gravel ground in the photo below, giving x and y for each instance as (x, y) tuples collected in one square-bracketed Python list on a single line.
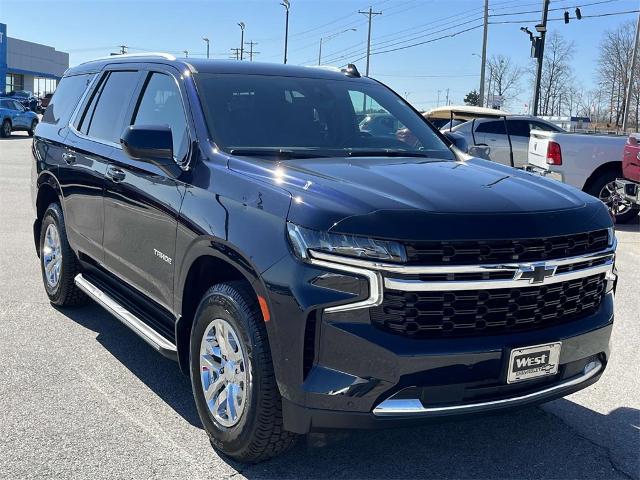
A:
[(83, 397)]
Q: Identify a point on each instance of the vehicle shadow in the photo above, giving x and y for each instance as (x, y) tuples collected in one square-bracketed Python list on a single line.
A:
[(632, 226), (527, 443)]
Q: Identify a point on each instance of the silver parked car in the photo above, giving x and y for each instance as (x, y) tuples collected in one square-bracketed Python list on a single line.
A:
[(491, 132)]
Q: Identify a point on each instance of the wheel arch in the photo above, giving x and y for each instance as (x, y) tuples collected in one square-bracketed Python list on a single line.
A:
[(48, 192), (613, 165), (206, 265)]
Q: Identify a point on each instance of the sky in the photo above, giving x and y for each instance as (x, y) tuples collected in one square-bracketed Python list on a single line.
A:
[(424, 74)]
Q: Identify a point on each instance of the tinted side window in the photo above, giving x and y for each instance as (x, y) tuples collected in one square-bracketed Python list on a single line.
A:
[(519, 128), (161, 105), (543, 126), (106, 121), (4, 104), (495, 127), (65, 98)]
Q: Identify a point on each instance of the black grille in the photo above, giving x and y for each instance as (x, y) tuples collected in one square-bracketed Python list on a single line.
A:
[(487, 312), (495, 251)]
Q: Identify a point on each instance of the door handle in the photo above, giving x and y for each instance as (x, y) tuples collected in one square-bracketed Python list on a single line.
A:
[(115, 174), (69, 158)]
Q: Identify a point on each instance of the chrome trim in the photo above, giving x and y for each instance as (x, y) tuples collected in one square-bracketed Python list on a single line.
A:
[(482, 268), (375, 286), (413, 406), (420, 286), (144, 331)]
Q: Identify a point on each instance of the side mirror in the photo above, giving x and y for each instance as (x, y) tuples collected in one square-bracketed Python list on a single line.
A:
[(152, 144), (480, 151)]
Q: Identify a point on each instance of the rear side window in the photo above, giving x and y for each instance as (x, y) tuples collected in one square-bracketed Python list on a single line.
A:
[(65, 98), (495, 127), (106, 121), (161, 105), (519, 128)]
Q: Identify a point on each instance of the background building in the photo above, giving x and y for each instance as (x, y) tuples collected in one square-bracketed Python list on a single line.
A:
[(29, 66)]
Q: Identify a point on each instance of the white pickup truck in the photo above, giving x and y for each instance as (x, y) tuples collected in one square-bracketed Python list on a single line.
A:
[(586, 161)]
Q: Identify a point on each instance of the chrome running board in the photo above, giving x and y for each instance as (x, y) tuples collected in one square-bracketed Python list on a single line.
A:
[(413, 406), (144, 331)]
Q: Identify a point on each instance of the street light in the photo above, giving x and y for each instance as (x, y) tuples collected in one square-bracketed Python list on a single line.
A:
[(186, 53), (241, 25), (207, 42), (326, 39), (286, 5)]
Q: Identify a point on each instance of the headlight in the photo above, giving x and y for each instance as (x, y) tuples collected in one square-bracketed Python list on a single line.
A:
[(304, 239)]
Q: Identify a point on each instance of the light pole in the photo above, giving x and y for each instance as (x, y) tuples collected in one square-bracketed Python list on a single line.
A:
[(206, 40), (186, 53), (285, 4), (241, 25), (326, 39)]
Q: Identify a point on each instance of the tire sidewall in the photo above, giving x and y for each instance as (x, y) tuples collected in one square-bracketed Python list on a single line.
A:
[(54, 216), (599, 183), (219, 304), (34, 124), (2, 129)]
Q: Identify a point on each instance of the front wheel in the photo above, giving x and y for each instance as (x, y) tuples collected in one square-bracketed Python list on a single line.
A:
[(5, 130), (604, 188), (232, 376)]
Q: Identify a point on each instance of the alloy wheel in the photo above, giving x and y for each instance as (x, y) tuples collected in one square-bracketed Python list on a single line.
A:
[(224, 373), (52, 255), (616, 204)]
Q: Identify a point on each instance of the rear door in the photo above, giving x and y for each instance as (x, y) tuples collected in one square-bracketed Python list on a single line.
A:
[(519, 132), (493, 134), (142, 202), (89, 145)]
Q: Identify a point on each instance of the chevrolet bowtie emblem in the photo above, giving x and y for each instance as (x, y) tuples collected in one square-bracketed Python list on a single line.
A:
[(536, 272)]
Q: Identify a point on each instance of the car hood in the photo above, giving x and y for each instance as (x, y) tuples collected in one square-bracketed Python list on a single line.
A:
[(394, 197)]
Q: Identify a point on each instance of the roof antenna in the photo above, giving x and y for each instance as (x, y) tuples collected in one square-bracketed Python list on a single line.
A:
[(351, 71)]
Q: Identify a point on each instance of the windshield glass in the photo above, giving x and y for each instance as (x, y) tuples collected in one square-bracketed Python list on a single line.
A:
[(252, 114)]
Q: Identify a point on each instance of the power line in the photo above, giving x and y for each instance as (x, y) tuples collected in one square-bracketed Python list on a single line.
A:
[(553, 9), (598, 15)]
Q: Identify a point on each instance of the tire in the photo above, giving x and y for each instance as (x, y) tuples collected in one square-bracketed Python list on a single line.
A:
[(34, 124), (5, 130), (256, 433), (603, 188), (61, 290)]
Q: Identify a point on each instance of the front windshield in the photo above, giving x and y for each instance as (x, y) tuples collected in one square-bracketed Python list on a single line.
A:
[(317, 116)]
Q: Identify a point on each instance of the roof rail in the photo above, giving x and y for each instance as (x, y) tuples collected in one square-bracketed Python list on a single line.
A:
[(166, 56)]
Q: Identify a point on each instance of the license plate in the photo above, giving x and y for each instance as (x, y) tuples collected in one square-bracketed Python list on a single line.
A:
[(527, 363)]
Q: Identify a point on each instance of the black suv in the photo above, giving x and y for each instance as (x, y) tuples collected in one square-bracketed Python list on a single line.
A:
[(305, 273)]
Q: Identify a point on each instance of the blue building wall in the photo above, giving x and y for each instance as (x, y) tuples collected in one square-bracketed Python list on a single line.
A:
[(3, 56)]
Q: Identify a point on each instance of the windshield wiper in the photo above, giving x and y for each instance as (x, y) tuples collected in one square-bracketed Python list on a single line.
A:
[(386, 153), (280, 153)]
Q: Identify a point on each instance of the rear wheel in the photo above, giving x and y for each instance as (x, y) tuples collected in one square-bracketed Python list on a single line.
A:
[(34, 124), (5, 130), (58, 261), (604, 188), (232, 376)]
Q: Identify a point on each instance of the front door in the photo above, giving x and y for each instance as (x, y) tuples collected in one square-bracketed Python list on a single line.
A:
[(142, 202)]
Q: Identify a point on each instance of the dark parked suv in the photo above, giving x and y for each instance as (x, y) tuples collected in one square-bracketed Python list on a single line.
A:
[(306, 274)]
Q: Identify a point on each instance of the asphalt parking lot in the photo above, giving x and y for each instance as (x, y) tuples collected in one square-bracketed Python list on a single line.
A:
[(82, 397)]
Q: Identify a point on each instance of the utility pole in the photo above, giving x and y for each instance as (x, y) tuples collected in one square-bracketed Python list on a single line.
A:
[(438, 102), (370, 13), (241, 25), (186, 53), (542, 29), (251, 52), (123, 49), (484, 51), (207, 42), (286, 5), (634, 62), (236, 53), (447, 103)]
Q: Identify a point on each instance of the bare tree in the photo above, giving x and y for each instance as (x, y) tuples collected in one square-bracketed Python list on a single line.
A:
[(504, 77), (557, 76), (614, 64)]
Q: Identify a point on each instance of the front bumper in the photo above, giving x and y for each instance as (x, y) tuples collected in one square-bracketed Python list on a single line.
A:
[(336, 368), (628, 190), (366, 378)]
